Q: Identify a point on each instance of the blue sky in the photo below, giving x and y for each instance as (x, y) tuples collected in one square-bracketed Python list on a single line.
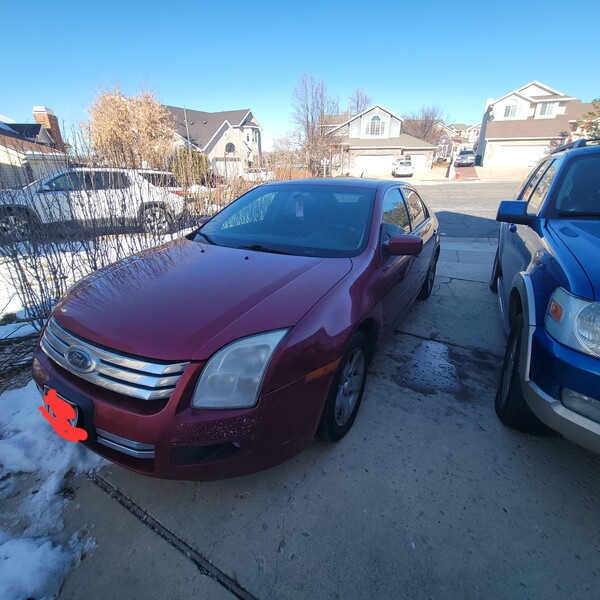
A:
[(231, 55)]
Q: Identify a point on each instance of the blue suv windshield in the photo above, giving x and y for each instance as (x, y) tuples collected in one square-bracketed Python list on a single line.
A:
[(578, 193)]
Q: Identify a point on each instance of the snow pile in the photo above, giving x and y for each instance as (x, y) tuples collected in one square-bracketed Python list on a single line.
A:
[(35, 566)]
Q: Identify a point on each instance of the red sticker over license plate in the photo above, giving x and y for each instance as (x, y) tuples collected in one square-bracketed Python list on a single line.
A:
[(72, 422)]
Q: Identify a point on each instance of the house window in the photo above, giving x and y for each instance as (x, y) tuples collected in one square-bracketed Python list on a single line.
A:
[(376, 126), (511, 109), (229, 148), (247, 137), (255, 135), (547, 109)]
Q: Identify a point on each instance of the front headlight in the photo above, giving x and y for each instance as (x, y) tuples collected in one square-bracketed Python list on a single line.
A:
[(233, 376), (574, 322)]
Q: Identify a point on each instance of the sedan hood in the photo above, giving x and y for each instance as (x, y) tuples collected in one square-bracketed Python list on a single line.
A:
[(184, 300), (582, 238)]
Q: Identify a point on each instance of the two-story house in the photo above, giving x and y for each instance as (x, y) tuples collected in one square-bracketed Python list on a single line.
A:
[(29, 151), (370, 141), (231, 139), (522, 126)]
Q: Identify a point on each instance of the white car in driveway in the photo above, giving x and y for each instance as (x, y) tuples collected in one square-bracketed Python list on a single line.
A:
[(258, 174), (89, 196), (403, 167)]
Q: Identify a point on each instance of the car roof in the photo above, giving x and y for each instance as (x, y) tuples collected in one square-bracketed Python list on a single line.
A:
[(334, 181)]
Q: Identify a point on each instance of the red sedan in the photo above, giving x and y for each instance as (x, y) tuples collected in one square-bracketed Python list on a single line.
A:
[(225, 351)]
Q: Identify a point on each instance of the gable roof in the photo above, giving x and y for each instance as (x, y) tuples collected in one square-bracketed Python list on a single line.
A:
[(203, 126), (23, 146), (26, 130), (359, 115), (552, 94)]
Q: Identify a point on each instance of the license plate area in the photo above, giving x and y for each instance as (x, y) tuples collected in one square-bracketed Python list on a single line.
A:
[(73, 422)]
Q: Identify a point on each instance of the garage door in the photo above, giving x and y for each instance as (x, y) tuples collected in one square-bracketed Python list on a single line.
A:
[(419, 162), (373, 166), (506, 155)]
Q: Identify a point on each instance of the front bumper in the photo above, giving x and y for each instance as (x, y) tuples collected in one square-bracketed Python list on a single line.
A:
[(554, 366), (170, 440)]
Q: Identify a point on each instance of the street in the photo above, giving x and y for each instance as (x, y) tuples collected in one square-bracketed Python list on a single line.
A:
[(428, 496)]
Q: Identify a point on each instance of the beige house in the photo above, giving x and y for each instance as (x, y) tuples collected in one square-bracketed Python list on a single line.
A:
[(370, 142), (230, 139), (524, 125), (29, 151)]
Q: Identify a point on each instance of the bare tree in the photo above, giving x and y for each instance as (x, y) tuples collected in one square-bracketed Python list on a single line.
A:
[(138, 129), (358, 102), (589, 124), (424, 123), (312, 104), (284, 157)]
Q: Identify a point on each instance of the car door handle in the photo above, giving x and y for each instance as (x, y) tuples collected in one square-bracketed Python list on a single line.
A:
[(512, 228)]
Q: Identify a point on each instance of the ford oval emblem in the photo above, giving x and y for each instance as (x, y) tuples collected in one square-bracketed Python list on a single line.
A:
[(80, 359)]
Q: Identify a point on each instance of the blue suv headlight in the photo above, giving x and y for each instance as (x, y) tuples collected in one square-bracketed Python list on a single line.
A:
[(574, 322)]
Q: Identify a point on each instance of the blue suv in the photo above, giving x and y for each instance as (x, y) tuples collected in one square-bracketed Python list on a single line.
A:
[(547, 275)]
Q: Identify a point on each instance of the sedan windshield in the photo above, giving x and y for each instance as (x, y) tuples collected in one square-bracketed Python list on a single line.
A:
[(302, 219), (578, 194)]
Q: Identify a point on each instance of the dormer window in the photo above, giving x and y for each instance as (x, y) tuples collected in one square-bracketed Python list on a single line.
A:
[(547, 109), (376, 126), (511, 109)]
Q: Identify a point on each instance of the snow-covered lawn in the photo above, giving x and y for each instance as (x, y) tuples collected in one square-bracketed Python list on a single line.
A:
[(33, 564)]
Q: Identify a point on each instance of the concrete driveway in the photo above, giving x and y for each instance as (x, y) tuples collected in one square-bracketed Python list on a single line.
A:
[(428, 496)]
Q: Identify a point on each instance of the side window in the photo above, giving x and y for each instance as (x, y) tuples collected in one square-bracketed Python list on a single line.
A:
[(120, 181), (109, 180), (416, 208), (64, 183), (538, 195), (100, 180), (395, 216), (525, 193)]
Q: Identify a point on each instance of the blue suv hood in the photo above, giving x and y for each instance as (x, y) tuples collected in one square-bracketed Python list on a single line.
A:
[(582, 238)]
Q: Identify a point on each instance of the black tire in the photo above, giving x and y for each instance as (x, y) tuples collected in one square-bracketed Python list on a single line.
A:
[(16, 225), (427, 287), (496, 272), (345, 394), (510, 405), (156, 220)]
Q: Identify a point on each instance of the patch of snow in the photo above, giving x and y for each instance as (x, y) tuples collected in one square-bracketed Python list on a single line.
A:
[(16, 330), (35, 565)]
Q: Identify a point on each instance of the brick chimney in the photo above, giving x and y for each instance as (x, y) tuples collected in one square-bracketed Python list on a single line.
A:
[(47, 119)]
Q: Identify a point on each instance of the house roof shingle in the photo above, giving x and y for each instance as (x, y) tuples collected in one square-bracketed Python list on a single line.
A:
[(204, 125), (529, 128), (19, 144)]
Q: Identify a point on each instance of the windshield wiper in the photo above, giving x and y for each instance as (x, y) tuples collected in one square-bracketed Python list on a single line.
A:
[(582, 214), (261, 248), (207, 238)]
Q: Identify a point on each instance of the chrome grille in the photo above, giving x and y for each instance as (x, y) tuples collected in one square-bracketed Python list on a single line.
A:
[(123, 374)]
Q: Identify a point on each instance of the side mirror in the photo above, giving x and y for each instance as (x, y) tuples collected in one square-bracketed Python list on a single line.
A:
[(46, 188), (514, 211), (404, 245)]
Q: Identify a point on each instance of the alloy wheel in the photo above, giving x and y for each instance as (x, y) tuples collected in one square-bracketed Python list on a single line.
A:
[(350, 386)]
